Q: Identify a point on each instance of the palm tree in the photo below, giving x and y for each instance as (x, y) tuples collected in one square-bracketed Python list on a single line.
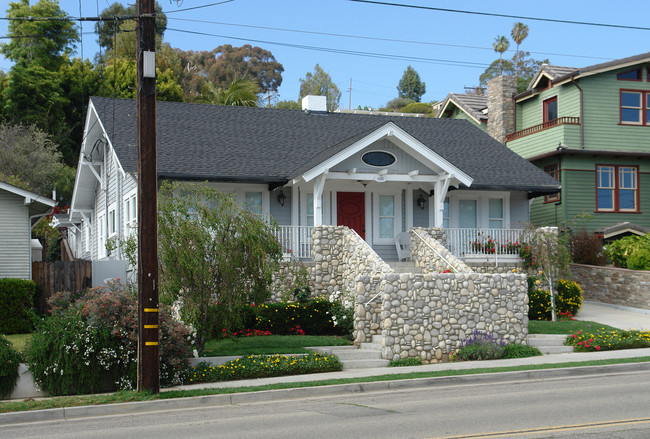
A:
[(519, 33), (500, 45), (241, 92)]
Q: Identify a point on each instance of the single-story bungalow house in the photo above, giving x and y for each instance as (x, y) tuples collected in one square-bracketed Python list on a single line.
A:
[(20, 211), (380, 175)]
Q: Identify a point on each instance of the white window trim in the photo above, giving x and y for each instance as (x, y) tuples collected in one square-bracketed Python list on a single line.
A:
[(86, 236), (101, 238), (482, 206), (397, 225), (112, 222), (130, 222)]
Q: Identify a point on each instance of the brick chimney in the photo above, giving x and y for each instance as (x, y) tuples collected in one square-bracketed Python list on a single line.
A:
[(500, 106)]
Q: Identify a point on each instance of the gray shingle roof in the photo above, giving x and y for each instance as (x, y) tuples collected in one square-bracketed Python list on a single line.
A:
[(227, 143), (470, 104)]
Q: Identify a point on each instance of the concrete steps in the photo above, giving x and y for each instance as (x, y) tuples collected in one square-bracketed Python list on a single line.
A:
[(368, 355), (404, 267), (549, 343)]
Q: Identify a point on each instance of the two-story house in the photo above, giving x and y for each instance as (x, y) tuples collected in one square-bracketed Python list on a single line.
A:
[(590, 129)]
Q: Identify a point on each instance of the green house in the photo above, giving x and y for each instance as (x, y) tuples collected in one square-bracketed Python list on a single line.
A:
[(590, 129)]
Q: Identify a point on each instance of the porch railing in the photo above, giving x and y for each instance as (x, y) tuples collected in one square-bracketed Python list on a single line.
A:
[(295, 241), (464, 243), (543, 126)]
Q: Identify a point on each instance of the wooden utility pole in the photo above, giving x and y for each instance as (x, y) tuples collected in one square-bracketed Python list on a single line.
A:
[(148, 360)]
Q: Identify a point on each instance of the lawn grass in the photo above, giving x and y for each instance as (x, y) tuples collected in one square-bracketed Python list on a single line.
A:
[(19, 341), (269, 344), (564, 327), (130, 396)]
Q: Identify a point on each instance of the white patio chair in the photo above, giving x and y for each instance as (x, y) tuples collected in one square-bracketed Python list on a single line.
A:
[(403, 246)]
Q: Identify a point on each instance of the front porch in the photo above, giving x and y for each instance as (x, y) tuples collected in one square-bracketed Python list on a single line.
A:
[(468, 244)]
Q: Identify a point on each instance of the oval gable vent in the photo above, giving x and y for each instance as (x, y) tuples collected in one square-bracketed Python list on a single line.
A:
[(378, 158)]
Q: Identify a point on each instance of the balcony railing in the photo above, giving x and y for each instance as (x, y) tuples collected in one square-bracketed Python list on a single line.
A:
[(543, 126), (464, 243), (295, 241)]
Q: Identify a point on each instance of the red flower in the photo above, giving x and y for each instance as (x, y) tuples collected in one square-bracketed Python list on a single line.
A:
[(597, 348)]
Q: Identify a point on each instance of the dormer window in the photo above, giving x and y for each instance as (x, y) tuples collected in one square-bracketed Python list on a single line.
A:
[(630, 75)]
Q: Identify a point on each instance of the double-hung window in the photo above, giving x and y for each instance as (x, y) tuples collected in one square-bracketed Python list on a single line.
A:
[(386, 216), (495, 212), (635, 107), (617, 188), (130, 214), (550, 109)]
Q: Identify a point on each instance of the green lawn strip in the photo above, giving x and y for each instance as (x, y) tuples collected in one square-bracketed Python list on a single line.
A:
[(564, 327), (269, 344), (19, 341), (131, 396)]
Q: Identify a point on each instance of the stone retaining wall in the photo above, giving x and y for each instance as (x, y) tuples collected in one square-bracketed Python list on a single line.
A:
[(429, 315), (429, 253), (618, 286), (419, 315), (285, 279)]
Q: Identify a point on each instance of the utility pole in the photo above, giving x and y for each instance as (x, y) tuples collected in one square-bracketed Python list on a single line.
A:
[(350, 98), (148, 307)]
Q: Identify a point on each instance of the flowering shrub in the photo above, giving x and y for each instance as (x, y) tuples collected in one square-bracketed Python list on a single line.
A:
[(261, 366), (316, 317), (481, 346), (9, 361), (568, 300), (601, 339), (91, 345)]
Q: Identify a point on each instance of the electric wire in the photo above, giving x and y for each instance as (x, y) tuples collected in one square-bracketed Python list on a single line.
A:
[(493, 14)]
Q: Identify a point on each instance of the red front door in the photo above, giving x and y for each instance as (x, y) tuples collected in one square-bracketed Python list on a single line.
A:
[(350, 211)]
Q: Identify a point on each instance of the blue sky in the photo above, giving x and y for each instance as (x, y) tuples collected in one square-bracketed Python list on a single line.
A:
[(453, 48)]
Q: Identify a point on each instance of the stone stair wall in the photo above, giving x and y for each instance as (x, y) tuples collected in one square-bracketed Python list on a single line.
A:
[(549, 343)]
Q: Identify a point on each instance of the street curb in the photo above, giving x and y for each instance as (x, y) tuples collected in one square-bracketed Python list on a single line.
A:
[(70, 413)]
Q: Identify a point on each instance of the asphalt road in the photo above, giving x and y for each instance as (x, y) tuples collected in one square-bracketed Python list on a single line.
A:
[(615, 405)]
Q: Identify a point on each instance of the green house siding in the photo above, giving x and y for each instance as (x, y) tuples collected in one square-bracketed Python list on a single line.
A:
[(546, 140), (531, 111), (578, 196), (603, 130), (460, 114)]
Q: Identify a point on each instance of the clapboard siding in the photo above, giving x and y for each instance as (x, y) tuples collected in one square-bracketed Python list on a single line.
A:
[(15, 251)]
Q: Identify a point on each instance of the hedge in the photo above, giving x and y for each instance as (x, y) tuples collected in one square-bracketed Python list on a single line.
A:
[(16, 313)]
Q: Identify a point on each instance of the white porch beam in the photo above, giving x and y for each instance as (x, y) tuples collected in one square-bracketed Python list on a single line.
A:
[(386, 177), (91, 166), (319, 184), (439, 193)]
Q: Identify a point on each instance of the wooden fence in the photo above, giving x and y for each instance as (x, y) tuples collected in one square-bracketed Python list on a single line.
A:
[(51, 277)]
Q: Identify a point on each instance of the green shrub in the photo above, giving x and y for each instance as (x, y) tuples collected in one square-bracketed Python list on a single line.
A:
[(569, 297), (539, 305), (631, 252), (316, 317), (262, 366), (516, 350), (9, 362), (417, 107), (413, 361), (91, 346), (567, 300), (242, 319), (16, 313), (481, 346)]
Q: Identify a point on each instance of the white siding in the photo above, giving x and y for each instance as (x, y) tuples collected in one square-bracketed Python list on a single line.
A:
[(15, 234)]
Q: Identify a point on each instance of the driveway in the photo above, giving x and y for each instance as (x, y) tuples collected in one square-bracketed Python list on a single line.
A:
[(621, 317)]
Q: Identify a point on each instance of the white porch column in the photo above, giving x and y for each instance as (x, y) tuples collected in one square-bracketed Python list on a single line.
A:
[(439, 194), (319, 184)]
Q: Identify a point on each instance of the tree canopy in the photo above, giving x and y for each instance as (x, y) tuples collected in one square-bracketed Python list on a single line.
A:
[(241, 92), (43, 42), (108, 30), (411, 86), (246, 61), (320, 83)]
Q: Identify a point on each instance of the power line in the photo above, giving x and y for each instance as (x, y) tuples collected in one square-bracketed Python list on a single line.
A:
[(199, 7), (344, 51), (362, 37), (492, 14)]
